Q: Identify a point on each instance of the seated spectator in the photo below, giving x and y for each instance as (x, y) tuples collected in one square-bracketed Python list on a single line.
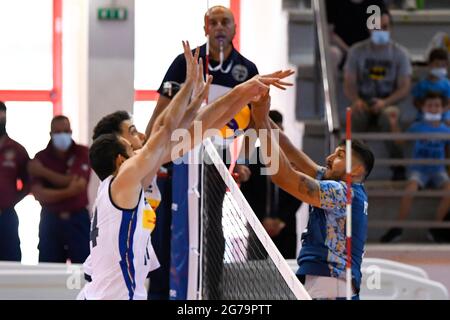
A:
[(347, 21), (436, 79), (60, 175), (377, 75), (275, 208), (13, 167), (422, 176)]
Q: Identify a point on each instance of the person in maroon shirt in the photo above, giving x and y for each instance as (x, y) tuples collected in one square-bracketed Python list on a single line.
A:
[(60, 175), (13, 167)]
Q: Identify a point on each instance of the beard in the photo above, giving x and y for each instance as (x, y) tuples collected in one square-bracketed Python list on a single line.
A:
[(333, 175)]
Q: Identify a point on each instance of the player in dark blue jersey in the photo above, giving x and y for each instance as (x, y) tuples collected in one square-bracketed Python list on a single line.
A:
[(322, 259)]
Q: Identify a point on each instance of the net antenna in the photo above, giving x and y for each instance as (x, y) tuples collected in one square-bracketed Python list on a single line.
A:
[(348, 170), (239, 260)]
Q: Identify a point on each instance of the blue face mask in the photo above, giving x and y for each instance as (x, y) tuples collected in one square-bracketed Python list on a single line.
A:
[(62, 141), (380, 37), (440, 73)]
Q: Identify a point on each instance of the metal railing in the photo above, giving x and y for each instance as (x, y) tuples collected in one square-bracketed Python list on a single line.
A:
[(379, 136), (409, 162), (323, 61), (417, 224)]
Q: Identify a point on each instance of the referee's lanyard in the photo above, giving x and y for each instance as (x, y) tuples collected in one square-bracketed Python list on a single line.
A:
[(219, 67)]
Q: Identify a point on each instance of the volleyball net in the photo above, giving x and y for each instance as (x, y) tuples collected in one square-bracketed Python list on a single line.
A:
[(238, 260)]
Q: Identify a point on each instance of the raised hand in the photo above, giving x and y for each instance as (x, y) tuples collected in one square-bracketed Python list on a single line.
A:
[(191, 62), (259, 85), (201, 94), (281, 74), (200, 82)]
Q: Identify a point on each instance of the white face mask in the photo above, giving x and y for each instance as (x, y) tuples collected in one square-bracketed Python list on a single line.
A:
[(428, 116), (62, 141), (380, 37), (440, 73)]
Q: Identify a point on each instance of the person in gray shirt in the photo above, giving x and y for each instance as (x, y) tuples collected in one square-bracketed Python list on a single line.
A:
[(377, 75)]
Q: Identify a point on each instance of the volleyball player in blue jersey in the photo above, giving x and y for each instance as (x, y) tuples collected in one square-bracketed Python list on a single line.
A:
[(322, 259)]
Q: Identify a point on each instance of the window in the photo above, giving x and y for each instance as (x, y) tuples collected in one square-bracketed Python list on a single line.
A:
[(156, 46), (30, 84)]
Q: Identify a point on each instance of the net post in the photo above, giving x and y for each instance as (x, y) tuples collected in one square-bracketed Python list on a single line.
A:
[(348, 169)]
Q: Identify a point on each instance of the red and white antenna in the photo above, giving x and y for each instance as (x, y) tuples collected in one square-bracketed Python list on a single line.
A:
[(348, 170)]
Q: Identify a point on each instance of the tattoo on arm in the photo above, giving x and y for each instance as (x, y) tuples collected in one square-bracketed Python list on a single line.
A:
[(308, 186)]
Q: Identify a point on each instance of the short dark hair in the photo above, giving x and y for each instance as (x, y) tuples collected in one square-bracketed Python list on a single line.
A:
[(276, 116), (110, 124), (103, 154), (435, 95), (363, 153), (438, 54), (2, 106), (58, 118)]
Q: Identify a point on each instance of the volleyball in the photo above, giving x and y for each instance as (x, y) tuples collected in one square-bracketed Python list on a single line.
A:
[(238, 124)]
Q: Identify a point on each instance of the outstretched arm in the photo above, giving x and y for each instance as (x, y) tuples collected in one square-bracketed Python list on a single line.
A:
[(300, 160), (218, 114), (140, 169), (296, 183), (176, 109)]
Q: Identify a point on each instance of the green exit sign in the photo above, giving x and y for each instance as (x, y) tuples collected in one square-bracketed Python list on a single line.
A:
[(112, 14)]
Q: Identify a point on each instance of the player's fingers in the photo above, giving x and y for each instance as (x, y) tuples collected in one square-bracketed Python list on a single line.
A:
[(188, 46), (286, 73), (196, 54), (200, 69), (285, 84), (207, 87), (278, 86), (267, 81)]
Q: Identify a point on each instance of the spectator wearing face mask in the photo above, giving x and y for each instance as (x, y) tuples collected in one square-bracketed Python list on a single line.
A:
[(423, 176), (436, 81), (377, 75), (60, 175), (347, 20)]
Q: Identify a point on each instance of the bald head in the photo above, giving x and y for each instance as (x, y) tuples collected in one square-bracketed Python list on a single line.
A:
[(219, 10)]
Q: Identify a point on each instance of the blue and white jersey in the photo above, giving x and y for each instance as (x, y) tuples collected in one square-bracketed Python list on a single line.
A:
[(323, 250), (121, 251), (429, 149)]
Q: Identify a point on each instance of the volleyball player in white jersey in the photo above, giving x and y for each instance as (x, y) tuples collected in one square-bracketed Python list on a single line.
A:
[(121, 252)]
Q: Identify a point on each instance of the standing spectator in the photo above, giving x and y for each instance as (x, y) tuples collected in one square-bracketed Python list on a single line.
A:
[(422, 176), (436, 80), (377, 76), (275, 208), (13, 167), (60, 175)]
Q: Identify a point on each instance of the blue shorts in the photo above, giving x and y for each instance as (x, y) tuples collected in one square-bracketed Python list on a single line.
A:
[(435, 180)]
